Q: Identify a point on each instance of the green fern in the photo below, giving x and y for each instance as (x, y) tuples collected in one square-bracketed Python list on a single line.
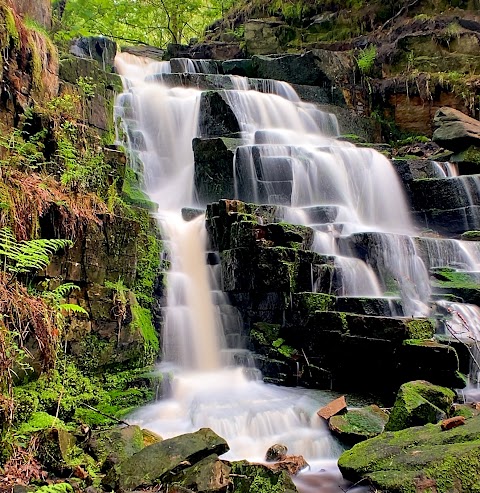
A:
[(55, 297), (27, 256), (55, 488)]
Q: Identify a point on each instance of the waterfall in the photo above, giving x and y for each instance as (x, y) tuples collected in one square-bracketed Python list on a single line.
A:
[(351, 197), (206, 388)]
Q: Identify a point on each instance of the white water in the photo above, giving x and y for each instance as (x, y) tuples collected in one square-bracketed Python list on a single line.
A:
[(288, 157), (204, 390)]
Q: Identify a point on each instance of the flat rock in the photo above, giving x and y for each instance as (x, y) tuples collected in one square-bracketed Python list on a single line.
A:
[(357, 425), (455, 130), (334, 407)]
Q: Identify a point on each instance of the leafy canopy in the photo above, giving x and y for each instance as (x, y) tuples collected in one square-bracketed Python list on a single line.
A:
[(154, 22)]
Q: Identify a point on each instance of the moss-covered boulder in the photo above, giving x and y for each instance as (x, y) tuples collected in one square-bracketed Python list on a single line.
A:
[(110, 447), (357, 425), (208, 475), (419, 402), (403, 461), (152, 464), (257, 478)]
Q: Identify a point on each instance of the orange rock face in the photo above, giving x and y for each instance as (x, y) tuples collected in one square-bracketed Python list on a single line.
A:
[(334, 407)]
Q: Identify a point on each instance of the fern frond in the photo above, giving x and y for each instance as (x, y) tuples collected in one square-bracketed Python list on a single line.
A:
[(26, 256), (73, 308), (64, 289)]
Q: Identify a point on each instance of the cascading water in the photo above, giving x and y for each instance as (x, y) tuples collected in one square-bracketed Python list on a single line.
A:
[(159, 124), (288, 156)]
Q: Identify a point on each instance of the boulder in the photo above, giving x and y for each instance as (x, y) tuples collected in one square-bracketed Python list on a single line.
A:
[(208, 475), (357, 425), (455, 130), (111, 447), (419, 402), (334, 407), (155, 462), (410, 459), (276, 452)]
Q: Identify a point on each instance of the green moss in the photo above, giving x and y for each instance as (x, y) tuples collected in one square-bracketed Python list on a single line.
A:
[(419, 402), (421, 328), (142, 319), (312, 302), (40, 421), (471, 236), (448, 277), (133, 194), (264, 334), (11, 27)]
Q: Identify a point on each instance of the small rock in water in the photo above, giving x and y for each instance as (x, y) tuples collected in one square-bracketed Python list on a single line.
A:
[(336, 406), (293, 464), (276, 452)]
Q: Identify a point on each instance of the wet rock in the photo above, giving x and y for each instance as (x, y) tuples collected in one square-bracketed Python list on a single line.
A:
[(276, 452), (213, 170), (247, 477), (111, 447), (369, 306), (292, 464), (242, 67), (153, 463), (419, 402), (188, 213), (101, 49), (405, 459), (216, 117), (435, 362), (357, 425), (455, 130), (334, 407)]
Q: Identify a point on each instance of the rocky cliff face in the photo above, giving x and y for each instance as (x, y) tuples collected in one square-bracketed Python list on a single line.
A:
[(40, 10)]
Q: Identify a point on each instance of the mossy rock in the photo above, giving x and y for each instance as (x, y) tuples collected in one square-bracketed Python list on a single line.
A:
[(257, 478), (471, 236), (399, 462), (110, 447), (155, 463), (419, 402), (357, 425), (206, 476)]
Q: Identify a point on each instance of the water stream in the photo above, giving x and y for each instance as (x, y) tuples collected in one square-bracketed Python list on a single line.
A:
[(288, 156)]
